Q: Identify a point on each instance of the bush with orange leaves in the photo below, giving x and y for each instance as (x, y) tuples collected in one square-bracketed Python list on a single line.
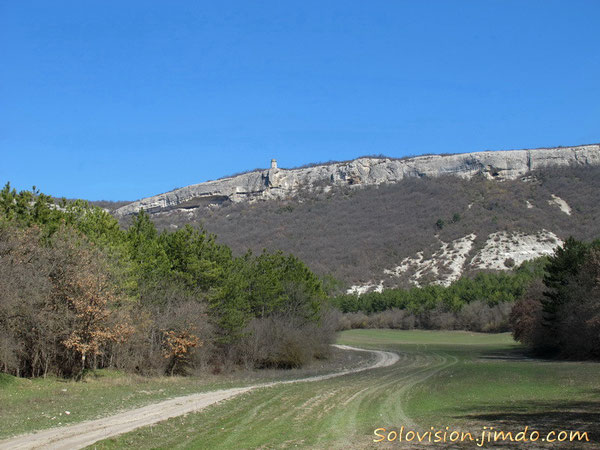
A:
[(178, 347), (58, 306), (82, 284), (89, 297)]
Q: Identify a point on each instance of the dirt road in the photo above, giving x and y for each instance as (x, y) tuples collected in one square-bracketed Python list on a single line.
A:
[(86, 433)]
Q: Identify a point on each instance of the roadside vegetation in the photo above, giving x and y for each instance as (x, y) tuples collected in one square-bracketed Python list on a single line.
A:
[(79, 293)]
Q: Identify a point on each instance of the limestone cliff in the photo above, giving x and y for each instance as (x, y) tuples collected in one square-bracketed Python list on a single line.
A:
[(279, 183)]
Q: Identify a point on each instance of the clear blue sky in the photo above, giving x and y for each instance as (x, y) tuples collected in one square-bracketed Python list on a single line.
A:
[(126, 99)]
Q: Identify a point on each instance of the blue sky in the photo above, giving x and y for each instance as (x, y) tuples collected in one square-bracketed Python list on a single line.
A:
[(122, 100)]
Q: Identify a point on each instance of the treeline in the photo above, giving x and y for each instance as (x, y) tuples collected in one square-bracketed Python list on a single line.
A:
[(560, 314), (79, 292), (480, 303)]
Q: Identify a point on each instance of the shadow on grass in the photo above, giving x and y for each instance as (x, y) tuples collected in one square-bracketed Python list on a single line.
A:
[(505, 354), (542, 416), (515, 355), (525, 355)]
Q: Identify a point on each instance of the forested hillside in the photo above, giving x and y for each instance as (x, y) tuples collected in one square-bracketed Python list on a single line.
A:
[(357, 234)]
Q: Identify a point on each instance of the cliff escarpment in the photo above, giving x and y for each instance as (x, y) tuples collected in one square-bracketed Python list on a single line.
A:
[(368, 171)]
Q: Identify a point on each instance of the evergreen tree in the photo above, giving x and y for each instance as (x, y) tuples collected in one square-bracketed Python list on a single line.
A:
[(562, 266)]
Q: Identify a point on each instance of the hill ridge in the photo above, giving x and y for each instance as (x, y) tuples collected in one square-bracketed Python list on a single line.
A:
[(364, 171)]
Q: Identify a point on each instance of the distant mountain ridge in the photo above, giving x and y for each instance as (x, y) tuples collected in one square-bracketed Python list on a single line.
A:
[(368, 171)]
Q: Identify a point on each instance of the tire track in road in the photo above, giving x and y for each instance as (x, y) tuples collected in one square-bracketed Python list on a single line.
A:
[(385, 397), (418, 378)]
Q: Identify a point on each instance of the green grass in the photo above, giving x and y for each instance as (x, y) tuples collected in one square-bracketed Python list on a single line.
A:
[(35, 404), (41, 403), (387, 338), (457, 379)]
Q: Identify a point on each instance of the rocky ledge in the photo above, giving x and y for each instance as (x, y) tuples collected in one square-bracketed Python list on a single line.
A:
[(280, 183)]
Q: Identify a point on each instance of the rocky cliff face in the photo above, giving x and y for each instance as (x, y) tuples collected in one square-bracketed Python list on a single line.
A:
[(280, 183)]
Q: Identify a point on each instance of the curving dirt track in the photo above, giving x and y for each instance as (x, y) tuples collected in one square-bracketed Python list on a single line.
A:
[(86, 433)]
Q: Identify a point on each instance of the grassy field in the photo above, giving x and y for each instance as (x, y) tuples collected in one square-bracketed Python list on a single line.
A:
[(29, 405), (461, 380)]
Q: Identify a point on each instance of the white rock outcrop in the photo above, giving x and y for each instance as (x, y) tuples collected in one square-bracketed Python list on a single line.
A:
[(564, 206), (278, 183), (504, 250), (445, 265), (501, 251)]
